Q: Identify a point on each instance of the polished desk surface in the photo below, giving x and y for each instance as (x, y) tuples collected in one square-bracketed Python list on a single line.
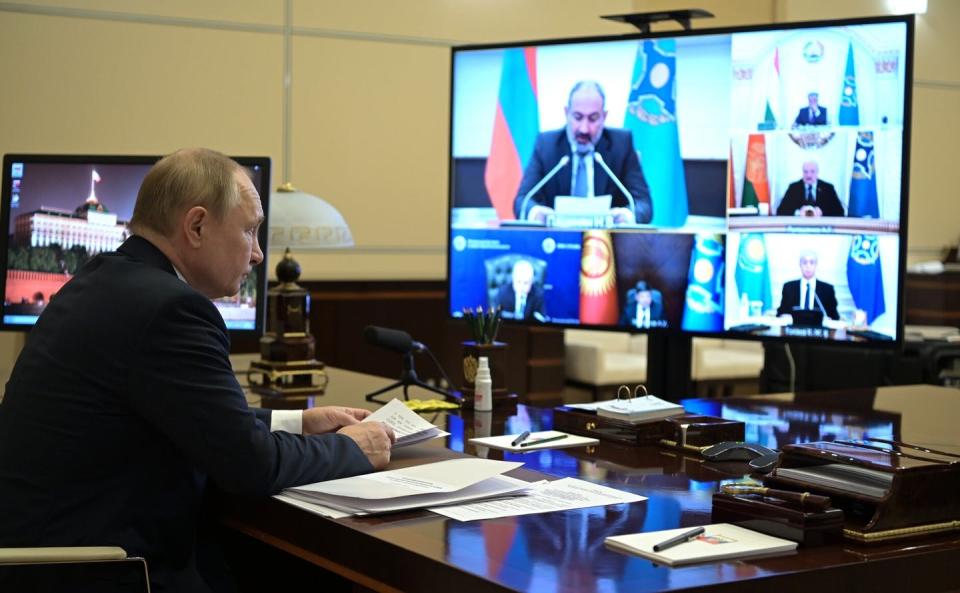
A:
[(564, 551)]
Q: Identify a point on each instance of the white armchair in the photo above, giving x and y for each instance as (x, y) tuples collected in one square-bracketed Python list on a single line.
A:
[(717, 366), (599, 359)]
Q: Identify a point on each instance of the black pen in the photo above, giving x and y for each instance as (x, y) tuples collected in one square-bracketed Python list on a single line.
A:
[(546, 440), (679, 539), (523, 436)]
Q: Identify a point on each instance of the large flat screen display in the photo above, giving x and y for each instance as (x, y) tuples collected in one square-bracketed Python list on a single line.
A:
[(59, 211), (746, 182)]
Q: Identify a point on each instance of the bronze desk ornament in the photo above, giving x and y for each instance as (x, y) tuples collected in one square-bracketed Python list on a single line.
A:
[(287, 367)]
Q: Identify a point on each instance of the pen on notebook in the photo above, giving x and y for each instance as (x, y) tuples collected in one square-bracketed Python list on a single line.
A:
[(546, 440), (523, 436), (679, 539)]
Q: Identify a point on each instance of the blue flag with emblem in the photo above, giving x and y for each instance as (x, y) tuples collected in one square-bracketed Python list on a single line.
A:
[(652, 117), (863, 182), (703, 305), (753, 273), (865, 276), (849, 106)]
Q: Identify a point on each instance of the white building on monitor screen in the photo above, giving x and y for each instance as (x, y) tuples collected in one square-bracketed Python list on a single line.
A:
[(90, 226)]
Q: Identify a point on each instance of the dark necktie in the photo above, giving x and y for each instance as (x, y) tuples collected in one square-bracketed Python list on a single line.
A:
[(580, 184), (810, 193), (809, 296)]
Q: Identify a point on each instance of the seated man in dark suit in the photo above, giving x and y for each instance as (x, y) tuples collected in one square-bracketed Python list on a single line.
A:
[(813, 114), (810, 196), (808, 292), (522, 298), (644, 308), (580, 141), (123, 406)]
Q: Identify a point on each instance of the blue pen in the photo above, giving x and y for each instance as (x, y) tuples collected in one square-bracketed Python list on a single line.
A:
[(523, 436)]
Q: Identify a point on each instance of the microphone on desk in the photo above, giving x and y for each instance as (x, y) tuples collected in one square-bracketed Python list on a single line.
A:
[(401, 342), (616, 180), (392, 339), (526, 198)]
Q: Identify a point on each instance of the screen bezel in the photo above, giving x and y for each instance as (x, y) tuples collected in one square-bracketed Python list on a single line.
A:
[(246, 161), (908, 20)]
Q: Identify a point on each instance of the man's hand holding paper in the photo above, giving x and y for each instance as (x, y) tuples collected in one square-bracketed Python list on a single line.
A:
[(325, 419)]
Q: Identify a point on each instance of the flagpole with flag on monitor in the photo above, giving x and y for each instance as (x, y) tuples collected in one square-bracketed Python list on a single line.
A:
[(864, 201), (652, 117), (865, 277), (756, 186), (94, 179), (515, 128), (849, 107), (752, 275)]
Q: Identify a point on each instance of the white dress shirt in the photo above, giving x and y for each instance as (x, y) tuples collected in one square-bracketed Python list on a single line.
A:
[(643, 317)]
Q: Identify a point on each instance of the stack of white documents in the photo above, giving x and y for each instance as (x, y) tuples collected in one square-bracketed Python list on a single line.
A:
[(407, 425), (429, 485)]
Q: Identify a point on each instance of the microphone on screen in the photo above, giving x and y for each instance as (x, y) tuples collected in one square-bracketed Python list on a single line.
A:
[(533, 190)]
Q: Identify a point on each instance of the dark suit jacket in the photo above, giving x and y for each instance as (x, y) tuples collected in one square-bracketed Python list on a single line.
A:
[(790, 298), (825, 198), (507, 299), (616, 148), (803, 118), (121, 406)]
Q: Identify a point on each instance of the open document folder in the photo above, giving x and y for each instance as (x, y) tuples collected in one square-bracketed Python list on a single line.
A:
[(419, 486), (407, 425)]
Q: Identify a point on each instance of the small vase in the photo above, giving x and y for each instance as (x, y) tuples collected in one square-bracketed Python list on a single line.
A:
[(496, 354)]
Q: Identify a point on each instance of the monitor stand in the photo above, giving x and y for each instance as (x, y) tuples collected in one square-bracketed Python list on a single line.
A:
[(668, 365), (643, 20)]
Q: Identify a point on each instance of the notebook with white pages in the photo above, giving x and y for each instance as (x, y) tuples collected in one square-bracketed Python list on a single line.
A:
[(720, 541), (645, 408)]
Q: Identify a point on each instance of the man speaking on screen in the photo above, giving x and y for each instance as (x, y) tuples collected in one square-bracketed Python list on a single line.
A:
[(808, 292), (584, 159)]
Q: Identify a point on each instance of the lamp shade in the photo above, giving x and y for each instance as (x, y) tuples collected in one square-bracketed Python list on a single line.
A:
[(304, 222)]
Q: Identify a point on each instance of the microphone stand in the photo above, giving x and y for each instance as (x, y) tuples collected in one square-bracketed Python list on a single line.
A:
[(616, 180), (533, 190), (816, 298), (408, 377)]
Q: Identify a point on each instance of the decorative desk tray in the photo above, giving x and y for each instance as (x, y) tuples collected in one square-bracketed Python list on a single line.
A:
[(887, 490), (687, 431), (779, 518), (693, 432)]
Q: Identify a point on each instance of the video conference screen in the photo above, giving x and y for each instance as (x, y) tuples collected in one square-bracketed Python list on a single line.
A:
[(745, 182), (60, 211)]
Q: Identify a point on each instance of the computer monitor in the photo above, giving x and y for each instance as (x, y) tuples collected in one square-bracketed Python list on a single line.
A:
[(61, 210), (750, 173)]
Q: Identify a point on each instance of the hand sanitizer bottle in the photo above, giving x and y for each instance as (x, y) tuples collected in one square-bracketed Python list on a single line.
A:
[(483, 387)]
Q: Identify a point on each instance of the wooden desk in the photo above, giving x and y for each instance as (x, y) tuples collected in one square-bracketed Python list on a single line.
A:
[(420, 551)]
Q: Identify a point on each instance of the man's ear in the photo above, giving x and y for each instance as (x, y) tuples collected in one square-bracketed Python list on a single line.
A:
[(193, 225)]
